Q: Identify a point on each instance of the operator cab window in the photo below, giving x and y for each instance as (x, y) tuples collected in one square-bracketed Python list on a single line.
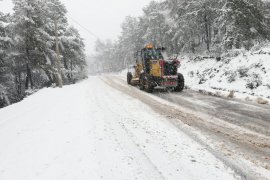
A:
[(153, 54)]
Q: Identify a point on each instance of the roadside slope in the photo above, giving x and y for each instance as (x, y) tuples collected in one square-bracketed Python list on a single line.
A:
[(247, 74)]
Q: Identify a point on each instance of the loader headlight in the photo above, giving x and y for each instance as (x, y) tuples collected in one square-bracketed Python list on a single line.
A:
[(149, 46)]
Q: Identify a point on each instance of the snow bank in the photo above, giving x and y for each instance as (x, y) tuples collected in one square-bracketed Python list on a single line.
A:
[(247, 75)]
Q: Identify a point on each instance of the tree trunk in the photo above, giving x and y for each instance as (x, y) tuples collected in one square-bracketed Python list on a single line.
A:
[(29, 78), (65, 63), (19, 85), (50, 77), (71, 69), (210, 32), (207, 32), (59, 73)]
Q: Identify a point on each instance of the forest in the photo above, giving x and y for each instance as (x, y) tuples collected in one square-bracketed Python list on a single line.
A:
[(28, 51), (197, 27)]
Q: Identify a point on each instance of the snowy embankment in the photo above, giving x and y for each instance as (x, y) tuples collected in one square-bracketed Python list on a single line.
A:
[(246, 76), (92, 131)]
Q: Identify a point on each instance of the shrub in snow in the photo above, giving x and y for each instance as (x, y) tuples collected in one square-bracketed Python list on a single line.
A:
[(202, 78), (218, 58), (231, 76), (198, 58), (264, 70), (212, 76), (216, 70), (202, 81), (233, 53), (261, 49), (207, 71), (251, 85), (227, 61), (254, 82), (257, 65), (243, 71)]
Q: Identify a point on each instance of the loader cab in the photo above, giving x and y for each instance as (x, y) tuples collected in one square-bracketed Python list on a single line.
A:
[(152, 54), (150, 59), (155, 62)]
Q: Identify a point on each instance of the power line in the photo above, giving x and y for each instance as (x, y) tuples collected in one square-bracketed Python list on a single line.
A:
[(87, 30)]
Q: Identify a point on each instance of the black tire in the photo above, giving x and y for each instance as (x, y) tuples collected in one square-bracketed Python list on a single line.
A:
[(141, 82), (148, 87), (129, 77), (180, 83)]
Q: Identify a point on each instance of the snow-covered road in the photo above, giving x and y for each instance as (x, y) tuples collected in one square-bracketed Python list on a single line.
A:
[(92, 131), (235, 131)]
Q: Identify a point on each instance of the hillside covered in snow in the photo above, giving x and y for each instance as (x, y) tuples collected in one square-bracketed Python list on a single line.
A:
[(246, 73)]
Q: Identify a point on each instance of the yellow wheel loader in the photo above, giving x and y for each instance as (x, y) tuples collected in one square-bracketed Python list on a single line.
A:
[(152, 70)]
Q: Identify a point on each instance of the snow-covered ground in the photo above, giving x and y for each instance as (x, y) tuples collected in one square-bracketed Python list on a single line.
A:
[(92, 131), (247, 74)]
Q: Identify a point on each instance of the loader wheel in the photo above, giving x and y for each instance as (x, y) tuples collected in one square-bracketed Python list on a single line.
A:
[(148, 87), (181, 83), (129, 77), (141, 82)]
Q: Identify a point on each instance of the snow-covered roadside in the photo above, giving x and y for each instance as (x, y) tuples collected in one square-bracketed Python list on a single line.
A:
[(91, 131), (246, 75)]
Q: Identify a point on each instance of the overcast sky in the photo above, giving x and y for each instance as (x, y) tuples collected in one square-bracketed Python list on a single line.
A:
[(102, 17)]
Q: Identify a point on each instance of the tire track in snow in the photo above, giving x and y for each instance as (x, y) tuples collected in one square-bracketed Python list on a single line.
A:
[(238, 140), (163, 149), (106, 106), (252, 117)]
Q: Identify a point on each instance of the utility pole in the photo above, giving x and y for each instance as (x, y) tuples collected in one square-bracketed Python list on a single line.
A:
[(59, 73)]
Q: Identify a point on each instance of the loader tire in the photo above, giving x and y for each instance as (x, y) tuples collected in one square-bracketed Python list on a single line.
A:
[(180, 83), (129, 78), (142, 82), (148, 87)]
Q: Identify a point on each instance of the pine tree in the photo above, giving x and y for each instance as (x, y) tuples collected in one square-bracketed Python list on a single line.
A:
[(74, 58), (244, 24), (156, 26), (6, 80), (28, 48), (201, 27), (130, 39), (28, 20)]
